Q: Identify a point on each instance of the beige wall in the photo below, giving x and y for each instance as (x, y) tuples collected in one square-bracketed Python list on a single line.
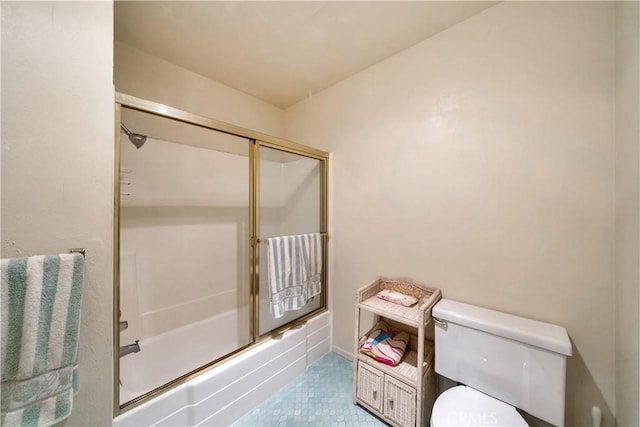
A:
[(627, 95), (481, 161), (57, 163), (143, 75)]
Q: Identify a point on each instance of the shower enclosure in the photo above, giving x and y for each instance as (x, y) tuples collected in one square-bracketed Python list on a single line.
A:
[(197, 201)]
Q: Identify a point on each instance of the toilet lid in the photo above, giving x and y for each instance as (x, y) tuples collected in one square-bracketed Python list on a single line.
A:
[(464, 406)]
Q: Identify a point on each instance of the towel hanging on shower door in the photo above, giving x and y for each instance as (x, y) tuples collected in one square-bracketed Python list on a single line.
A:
[(312, 247), (294, 271)]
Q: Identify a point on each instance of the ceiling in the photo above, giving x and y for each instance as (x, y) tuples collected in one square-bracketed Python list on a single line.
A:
[(282, 52)]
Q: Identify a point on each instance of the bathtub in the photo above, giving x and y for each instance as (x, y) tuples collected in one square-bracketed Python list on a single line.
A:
[(224, 393), (165, 357)]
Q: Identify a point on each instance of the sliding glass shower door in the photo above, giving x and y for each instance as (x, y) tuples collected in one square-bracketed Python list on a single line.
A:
[(291, 206), (184, 249), (220, 242)]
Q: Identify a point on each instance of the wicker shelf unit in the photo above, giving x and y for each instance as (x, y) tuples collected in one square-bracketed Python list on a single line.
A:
[(401, 395)]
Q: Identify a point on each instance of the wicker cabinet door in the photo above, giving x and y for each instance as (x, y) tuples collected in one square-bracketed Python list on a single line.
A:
[(399, 402), (369, 389)]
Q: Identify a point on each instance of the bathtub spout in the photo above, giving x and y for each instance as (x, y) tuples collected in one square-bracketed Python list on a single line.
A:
[(129, 348)]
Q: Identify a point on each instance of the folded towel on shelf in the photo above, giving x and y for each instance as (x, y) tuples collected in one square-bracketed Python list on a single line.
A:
[(385, 344), (397, 297), (294, 270), (41, 298)]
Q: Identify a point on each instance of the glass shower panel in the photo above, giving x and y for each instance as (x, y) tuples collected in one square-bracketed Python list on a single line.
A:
[(290, 204), (184, 249)]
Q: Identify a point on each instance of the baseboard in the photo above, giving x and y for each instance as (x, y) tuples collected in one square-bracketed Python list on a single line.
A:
[(344, 353)]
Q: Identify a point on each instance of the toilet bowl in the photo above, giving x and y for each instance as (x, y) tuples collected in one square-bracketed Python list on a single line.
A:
[(503, 361), (464, 406)]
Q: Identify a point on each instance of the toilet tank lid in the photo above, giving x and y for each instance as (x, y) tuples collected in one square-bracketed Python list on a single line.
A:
[(539, 334)]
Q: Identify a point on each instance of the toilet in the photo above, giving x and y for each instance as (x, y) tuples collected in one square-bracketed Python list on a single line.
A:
[(502, 362)]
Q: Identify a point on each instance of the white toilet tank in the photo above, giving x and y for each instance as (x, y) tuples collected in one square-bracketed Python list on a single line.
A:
[(517, 360)]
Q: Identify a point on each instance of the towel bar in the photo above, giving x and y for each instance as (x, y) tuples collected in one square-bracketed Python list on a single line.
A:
[(80, 251), (265, 239)]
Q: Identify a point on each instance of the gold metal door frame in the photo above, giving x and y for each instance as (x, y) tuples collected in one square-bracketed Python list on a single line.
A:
[(116, 264), (255, 242), (256, 140), (254, 191)]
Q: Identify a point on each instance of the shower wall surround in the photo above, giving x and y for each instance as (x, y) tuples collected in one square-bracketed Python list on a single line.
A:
[(184, 224)]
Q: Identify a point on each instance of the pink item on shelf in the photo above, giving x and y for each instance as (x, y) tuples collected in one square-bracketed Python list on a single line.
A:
[(397, 297), (386, 345)]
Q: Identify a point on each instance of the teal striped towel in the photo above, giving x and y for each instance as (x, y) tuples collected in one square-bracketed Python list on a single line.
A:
[(40, 299), (294, 268)]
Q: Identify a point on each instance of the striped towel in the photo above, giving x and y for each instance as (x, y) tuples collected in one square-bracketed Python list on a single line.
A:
[(40, 299), (312, 247), (294, 271)]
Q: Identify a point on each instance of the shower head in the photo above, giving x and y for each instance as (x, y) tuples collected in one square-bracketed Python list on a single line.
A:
[(135, 138)]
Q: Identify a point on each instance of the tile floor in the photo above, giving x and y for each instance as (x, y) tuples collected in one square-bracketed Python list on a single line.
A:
[(322, 396)]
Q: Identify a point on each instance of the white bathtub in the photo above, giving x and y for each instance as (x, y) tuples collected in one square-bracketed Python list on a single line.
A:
[(223, 394), (170, 355)]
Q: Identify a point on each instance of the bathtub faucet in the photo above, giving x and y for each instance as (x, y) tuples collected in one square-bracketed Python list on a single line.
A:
[(129, 348)]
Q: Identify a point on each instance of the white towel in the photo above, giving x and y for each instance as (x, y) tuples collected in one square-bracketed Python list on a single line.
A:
[(294, 271), (41, 298)]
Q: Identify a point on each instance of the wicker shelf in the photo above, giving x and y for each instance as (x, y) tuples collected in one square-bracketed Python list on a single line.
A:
[(406, 370), (407, 315), (402, 395), (414, 316)]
